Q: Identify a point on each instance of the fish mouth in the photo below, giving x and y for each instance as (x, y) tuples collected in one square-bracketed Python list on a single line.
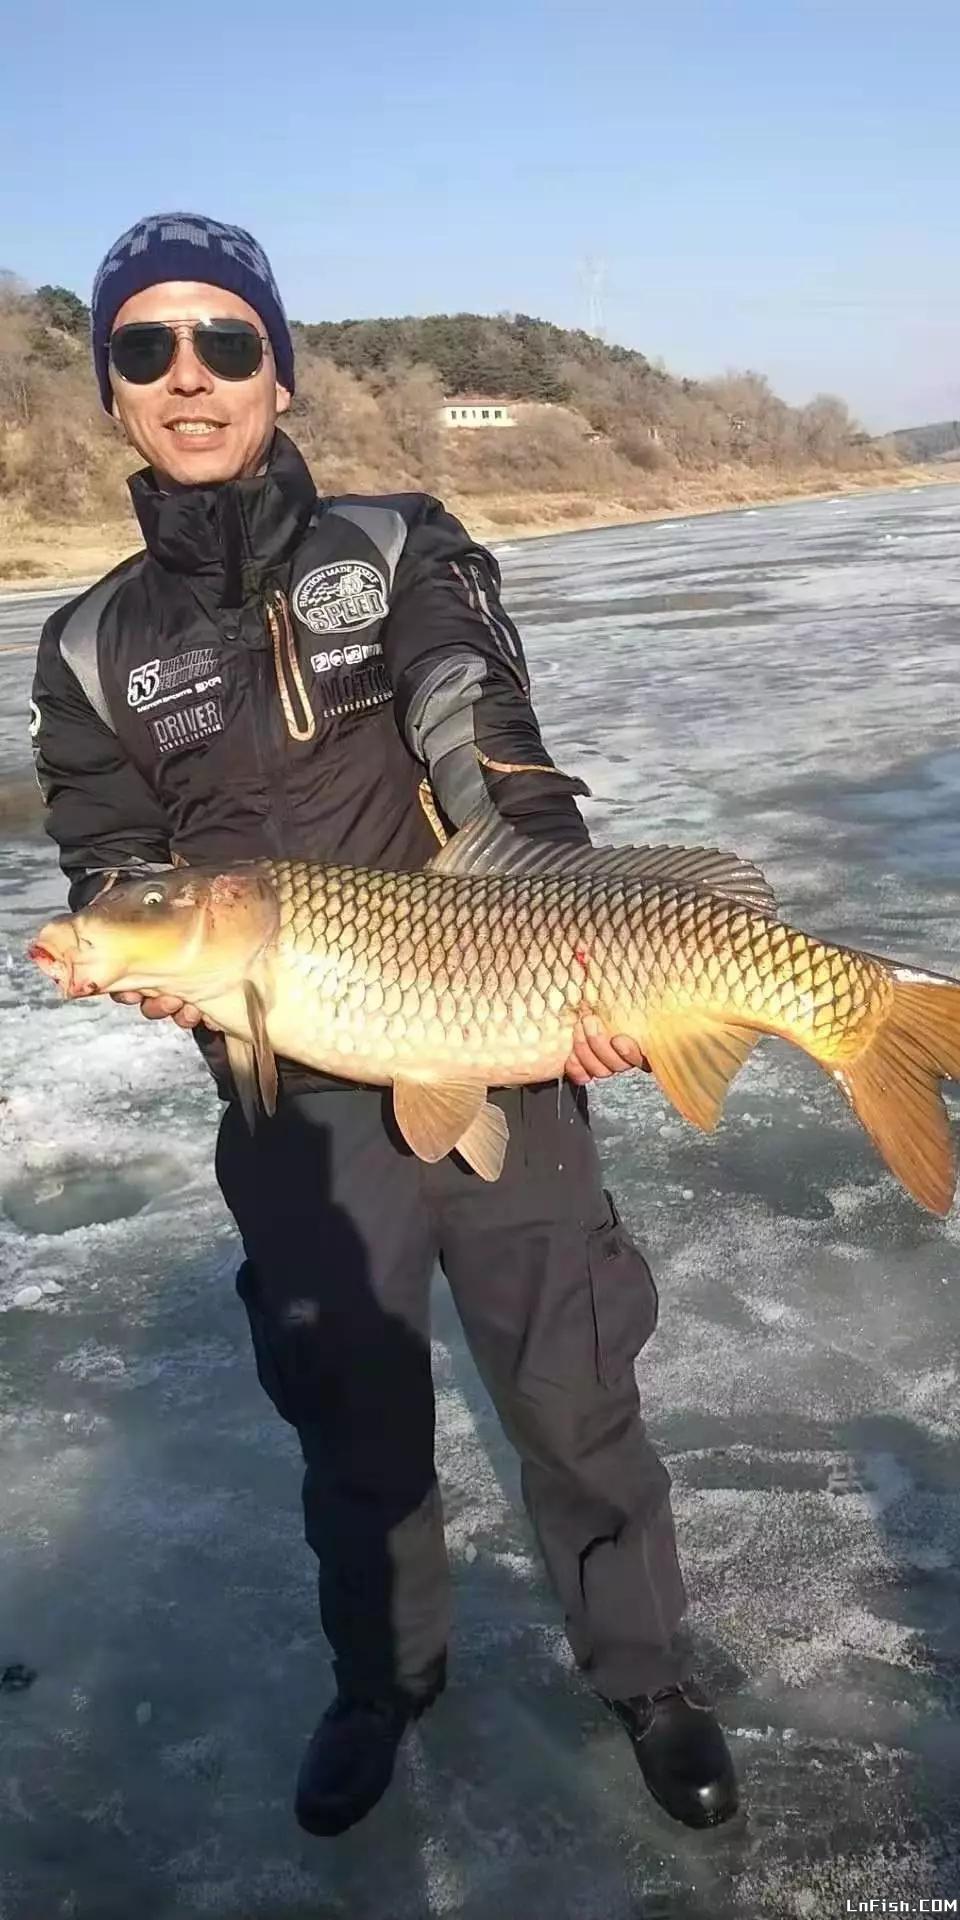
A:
[(67, 959)]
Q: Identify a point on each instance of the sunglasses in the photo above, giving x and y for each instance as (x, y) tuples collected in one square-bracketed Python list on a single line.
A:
[(143, 350)]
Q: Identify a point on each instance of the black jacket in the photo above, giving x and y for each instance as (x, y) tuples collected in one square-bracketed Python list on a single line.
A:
[(279, 674)]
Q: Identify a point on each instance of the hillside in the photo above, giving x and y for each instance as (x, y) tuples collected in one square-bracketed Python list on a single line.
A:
[(601, 435), (939, 442)]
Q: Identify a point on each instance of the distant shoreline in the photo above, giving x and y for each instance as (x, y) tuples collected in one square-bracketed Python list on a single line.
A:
[(844, 485), (87, 552)]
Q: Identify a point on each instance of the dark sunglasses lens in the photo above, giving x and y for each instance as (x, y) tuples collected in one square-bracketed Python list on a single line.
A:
[(142, 351), (232, 349)]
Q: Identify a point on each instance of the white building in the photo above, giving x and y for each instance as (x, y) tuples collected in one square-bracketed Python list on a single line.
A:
[(472, 411)]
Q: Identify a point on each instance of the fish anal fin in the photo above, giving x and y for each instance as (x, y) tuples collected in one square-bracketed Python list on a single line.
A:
[(434, 1115), (484, 1145), (488, 844), (694, 1059), (262, 1050), (894, 1086)]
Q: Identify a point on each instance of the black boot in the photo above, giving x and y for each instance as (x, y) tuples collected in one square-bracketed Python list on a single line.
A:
[(682, 1753), (349, 1761)]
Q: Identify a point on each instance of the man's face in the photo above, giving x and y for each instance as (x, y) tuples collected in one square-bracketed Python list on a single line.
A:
[(190, 426)]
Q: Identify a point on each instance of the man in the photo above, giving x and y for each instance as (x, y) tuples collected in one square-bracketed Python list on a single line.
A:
[(336, 679)]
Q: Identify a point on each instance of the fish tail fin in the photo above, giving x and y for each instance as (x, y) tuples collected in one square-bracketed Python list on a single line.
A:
[(894, 1085)]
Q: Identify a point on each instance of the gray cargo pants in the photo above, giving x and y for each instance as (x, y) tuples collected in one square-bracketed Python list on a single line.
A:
[(342, 1226)]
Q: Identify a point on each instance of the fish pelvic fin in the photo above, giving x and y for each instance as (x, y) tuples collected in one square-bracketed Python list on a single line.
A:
[(266, 1060), (489, 844), (243, 1068), (253, 1062), (894, 1085), (435, 1115), (484, 1145), (694, 1059)]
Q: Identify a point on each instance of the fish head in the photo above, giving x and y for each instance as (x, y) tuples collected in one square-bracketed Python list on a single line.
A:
[(190, 931)]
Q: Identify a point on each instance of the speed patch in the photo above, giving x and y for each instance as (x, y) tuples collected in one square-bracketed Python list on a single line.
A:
[(341, 597)]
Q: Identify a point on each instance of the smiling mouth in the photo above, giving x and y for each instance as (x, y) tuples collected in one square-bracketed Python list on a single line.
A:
[(195, 429)]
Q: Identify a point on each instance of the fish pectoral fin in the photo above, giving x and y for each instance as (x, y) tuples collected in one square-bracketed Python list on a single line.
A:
[(262, 1050), (434, 1115), (243, 1067), (484, 1145), (694, 1060)]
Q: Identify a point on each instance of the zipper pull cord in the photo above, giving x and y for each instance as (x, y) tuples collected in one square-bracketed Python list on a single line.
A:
[(281, 633)]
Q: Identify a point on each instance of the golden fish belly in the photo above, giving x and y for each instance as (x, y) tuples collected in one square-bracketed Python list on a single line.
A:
[(352, 1023)]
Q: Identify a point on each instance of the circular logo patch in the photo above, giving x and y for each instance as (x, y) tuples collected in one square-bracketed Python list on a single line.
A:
[(341, 597)]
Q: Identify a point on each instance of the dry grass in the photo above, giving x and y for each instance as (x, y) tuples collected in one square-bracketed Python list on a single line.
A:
[(57, 553)]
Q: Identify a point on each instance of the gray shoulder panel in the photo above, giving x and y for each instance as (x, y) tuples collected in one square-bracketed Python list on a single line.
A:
[(78, 643), (441, 731), (384, 526)]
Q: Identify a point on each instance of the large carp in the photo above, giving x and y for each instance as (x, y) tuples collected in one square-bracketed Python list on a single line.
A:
[(474, 972)]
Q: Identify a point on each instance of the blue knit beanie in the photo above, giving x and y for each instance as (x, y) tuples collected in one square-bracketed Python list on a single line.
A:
[(186, 246)]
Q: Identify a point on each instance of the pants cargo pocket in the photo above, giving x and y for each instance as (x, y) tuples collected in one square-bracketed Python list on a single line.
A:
[(269, 1372), (626, 1304)]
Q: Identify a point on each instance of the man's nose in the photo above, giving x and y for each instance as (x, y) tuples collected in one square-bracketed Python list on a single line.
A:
[(187, 373)]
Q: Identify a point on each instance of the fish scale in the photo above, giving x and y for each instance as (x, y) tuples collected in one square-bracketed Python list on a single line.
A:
[(397, 951)]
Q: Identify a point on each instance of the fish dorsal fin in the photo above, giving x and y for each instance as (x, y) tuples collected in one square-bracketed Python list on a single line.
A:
[(488, 844), (694, 1061)]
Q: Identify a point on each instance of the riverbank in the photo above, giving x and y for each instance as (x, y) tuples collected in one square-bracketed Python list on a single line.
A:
[(49, 554), (684, 496)]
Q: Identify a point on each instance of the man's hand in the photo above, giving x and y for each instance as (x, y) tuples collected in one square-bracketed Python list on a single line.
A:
[(166, 1006), (594, 1057)]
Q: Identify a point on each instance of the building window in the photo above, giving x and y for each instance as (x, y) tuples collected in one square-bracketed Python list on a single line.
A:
[(486, 413), (498, 413)]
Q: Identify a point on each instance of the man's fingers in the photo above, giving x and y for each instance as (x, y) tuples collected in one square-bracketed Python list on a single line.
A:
[(629, 1052), (595, 1057), (575, 1072), (188, 1016), (163, 1006), (160, 1006)]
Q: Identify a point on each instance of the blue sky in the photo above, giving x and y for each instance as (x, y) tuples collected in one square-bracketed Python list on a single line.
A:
[(769, 183)]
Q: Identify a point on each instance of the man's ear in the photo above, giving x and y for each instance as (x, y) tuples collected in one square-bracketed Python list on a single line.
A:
[(283, 399)]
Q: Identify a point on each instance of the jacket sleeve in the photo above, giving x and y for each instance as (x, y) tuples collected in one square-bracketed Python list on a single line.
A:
[(462, 690), (100, 810)]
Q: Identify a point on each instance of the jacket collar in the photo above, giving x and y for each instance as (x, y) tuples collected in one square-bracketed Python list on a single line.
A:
[(233, 534)]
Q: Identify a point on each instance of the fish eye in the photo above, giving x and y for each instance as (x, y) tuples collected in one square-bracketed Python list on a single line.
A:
[(153, 897)]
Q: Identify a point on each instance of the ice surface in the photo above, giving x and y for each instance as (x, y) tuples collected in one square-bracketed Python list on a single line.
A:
[(780, 681)]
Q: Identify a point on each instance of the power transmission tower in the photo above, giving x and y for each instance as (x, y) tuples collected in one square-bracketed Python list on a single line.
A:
[(593, 273)]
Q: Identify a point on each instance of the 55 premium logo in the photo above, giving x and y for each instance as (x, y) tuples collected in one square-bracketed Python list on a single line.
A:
[(156, 682)]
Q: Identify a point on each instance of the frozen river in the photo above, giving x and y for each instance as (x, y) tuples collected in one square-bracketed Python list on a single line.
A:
[(781, 681)]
